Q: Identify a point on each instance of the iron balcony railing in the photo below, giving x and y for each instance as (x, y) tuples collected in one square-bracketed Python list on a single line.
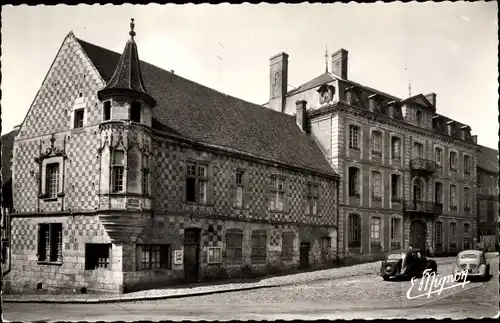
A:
[(423, 207), (423, 165)]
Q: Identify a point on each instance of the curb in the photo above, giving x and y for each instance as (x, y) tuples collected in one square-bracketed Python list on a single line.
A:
[(162, 297)]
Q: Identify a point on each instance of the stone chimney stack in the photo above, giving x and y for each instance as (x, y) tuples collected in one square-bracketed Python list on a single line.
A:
[(474, 139), (339, 63), (301, 115), (465, 132), (278, 81)]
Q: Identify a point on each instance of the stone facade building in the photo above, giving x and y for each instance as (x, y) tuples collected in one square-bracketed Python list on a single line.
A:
[(126, 176), (488, 218), (408, 174)]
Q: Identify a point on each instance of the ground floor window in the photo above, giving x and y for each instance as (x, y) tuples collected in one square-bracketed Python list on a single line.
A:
[(97, 255), (155, 256), (375, 231), (287, 245), (453, 235), (326, 244), (354, 231), (395, 233), (259, 243), (50, 242), (234, 246), (439, 234)]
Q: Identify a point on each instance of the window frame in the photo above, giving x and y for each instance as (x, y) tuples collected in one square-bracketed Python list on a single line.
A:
[(356, 192), (467, 164), (93, 261), (199, 181), (374, 240), (395, 143), (49, 178), (258, 252), (395, 237), (277, 192), (453, 234), (231, 246), (239, 188), (453, 161), (106, 110), (287, 248), (453, 197), (438, 151), (214, 255), (50, 241), (312, 198), (164, 251), (118, 172), (145, 179), (439, 234), (376, 194), (377, 139), (467, 199), (354, 240), (77, 120), (354, 137), (397, 197)]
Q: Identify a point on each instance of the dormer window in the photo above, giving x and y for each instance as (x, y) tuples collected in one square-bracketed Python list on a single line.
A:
[(135, 112), (419, 117), (106, 110)]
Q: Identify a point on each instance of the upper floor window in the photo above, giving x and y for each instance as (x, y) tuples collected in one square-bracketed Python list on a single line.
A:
[(145, 175), (135, 111), (466, 164), (377, 143), (466, 198), (453, 161), (79, 117), (312, 198), (353, 181), (439, 156), (453, 196), (438, 192), (419, 117), (353, 137), (376, 185), (418, 150), (395, 187), (239, 188), (277, 194), (52, 180), (106, 110), (196, 182), (118, 166), (396, 147)]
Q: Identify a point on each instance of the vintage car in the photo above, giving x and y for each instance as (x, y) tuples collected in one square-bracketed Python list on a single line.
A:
[(406, 264), (474, 262)]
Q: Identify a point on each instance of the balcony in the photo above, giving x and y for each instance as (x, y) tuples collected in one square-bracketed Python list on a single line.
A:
[(423, 166), (423, 207)]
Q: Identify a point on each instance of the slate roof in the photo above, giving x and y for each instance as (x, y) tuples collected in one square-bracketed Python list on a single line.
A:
[(7, 150), (487, 159), (196, 112)]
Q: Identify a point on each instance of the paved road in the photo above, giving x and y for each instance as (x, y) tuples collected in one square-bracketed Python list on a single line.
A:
[(348, 298)]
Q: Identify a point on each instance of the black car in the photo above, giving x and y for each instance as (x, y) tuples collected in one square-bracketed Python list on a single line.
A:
[(406, 264)]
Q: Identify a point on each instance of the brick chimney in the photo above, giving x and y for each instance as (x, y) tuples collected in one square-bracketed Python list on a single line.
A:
[(278, 75), (301, 115), (339, 63)]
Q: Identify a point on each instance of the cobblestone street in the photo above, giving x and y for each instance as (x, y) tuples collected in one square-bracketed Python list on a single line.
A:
[(362, 296)]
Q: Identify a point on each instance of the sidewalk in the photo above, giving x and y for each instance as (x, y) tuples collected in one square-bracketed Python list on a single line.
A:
[(178, 292)]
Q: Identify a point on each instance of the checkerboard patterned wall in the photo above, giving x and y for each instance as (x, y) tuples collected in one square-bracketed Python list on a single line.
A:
[(70, 77), (169, 176)]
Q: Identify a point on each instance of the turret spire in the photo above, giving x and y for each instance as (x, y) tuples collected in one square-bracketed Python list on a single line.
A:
[(127, 78)]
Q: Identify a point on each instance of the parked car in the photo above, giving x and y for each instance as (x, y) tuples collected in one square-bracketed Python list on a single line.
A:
[(474, 262), (406, 264)]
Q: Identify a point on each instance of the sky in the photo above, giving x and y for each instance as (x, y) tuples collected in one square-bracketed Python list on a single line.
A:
[(448, 48)]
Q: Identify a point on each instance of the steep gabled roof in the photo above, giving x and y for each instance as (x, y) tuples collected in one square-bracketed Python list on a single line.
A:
[(487, 159), (196, 112), (7, 150), (317, 81)]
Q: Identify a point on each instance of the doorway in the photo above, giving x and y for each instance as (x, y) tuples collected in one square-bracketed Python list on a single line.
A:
[(191, 254), (417, 238), (304, 254)]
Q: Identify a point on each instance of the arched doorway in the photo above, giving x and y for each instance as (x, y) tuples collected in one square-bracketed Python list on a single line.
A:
[(417, 235)]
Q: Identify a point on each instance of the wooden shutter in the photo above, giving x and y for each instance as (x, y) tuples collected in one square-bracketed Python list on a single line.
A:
[(286, 186), (210, 183)]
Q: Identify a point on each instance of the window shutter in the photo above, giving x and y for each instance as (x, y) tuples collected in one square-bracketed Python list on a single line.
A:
[(41, 241), (270, 193), (305, 200), (247, 193), (319, 199), (287, 186)]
